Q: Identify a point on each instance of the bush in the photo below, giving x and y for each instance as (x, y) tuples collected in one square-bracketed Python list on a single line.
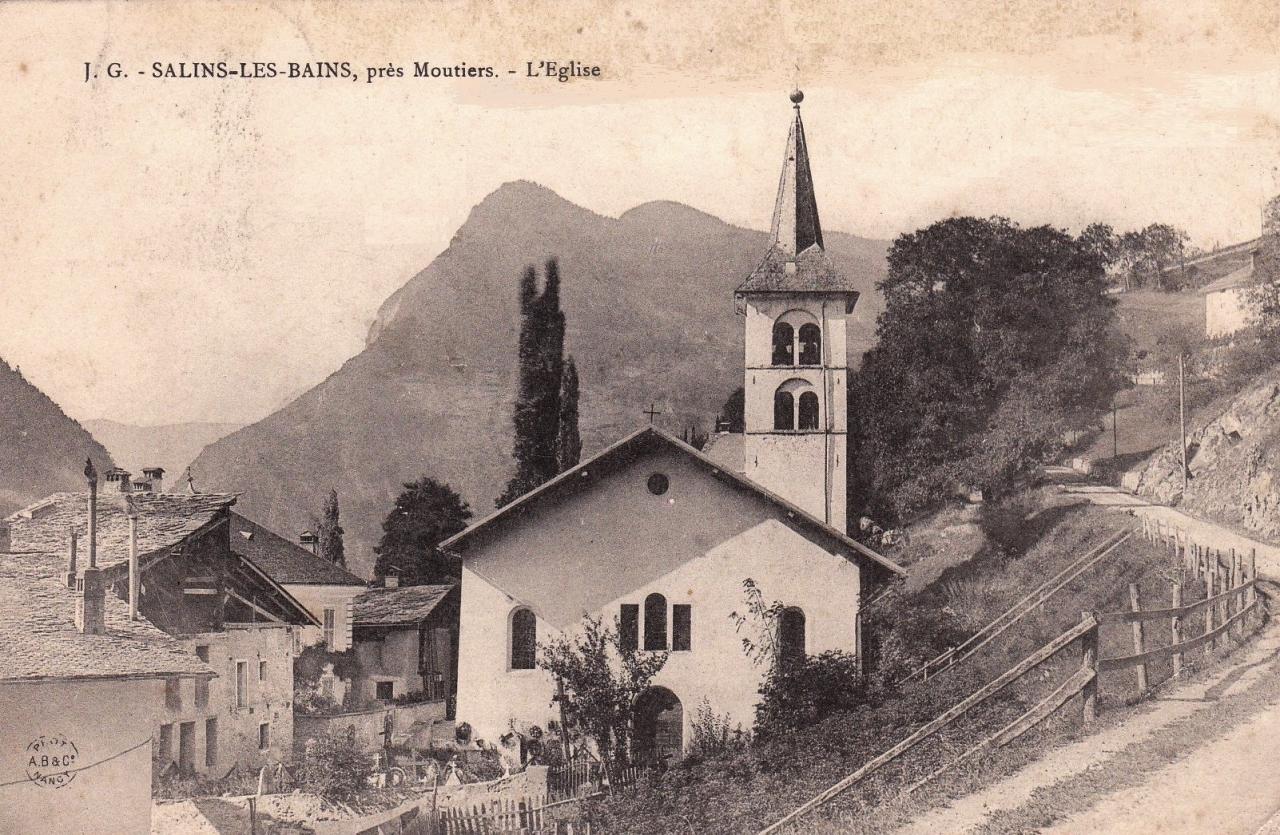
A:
[(807, 691), (336, 766), (713, 733)]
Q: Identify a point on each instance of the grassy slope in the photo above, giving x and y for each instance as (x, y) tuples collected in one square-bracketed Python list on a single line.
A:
[(745, 790)]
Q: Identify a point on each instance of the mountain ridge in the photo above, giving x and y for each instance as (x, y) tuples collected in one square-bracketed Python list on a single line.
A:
[(648, 301)]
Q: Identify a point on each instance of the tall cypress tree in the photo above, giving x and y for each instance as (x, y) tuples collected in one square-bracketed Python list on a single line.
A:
[(329, 532), (569, 442), (537, 413)]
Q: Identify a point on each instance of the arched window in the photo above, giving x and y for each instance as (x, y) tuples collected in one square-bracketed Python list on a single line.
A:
[(808, 411), (791, 636), (810, 344), (524, 640), (655, 622), (784, 405), (783, 344)]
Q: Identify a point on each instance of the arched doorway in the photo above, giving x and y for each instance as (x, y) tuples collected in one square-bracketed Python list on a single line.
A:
[(659, 727)]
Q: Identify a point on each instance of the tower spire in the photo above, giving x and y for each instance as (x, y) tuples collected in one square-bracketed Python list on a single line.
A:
[(795, 212)]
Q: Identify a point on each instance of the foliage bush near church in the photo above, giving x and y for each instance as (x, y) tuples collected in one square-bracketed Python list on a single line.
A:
[(336, 766)]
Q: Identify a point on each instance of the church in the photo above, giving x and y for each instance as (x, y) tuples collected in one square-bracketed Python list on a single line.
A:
[(661, 538)]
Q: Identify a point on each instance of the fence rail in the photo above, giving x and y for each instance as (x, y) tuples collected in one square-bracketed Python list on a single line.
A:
[(1018, 610), (1231, 597)]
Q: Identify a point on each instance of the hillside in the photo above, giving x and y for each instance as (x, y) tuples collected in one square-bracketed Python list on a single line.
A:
[(42, 451), (1233, 460), (171, 446), (648, 300)]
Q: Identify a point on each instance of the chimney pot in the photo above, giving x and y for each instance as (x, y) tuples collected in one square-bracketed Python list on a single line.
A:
[(154, 475), (71, 559), (310, 541), (391, 581)]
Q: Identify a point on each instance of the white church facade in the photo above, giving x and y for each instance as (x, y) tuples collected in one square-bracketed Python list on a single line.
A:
[(661, 538)]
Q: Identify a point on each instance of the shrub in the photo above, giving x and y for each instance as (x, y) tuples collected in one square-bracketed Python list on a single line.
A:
[(714, 734), (805, 692), (336, 766)]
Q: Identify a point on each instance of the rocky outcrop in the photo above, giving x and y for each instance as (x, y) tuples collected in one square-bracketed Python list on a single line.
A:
[(1233, 464)]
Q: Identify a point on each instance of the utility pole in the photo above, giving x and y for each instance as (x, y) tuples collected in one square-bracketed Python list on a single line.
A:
[(1115, 437), (1182, 417)]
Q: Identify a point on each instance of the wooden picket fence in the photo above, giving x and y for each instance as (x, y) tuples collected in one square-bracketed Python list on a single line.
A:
[(1231, 598), (525, 816)]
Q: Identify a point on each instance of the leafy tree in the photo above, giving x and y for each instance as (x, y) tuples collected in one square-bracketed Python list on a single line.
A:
[(328, 530), (1264, 296), (994, 338), (537, 415), (426, 513), (602, 680), (568, 441), (336, 766), (734, 410)]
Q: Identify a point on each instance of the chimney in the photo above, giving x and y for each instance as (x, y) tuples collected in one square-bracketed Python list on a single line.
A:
[(92, 476), (1253, 259), (155, 475), (391, 581), (310, 541), (133, 560), (71, 558), (91, 602)]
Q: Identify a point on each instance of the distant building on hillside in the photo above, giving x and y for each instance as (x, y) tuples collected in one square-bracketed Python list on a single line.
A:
[(225, 610), (1226, 301)]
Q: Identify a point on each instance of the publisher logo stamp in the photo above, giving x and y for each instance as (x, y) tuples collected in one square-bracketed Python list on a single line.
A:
[(51, 761)]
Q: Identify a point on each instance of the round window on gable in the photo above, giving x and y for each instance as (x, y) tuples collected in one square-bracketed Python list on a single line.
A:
[(658, 484)]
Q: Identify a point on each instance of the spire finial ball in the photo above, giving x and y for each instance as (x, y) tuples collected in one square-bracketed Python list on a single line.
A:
[(797, 97)]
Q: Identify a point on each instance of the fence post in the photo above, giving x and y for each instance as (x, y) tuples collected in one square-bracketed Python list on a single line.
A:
[(1175, 629), (1253, 575), (1234, 601), (1089, 661), (1209, 586), (1135, 605)]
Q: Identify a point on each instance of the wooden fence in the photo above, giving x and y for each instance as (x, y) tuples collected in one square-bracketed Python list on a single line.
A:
[(527, 815), (1020, 609), (1231, 598), (588, 777)]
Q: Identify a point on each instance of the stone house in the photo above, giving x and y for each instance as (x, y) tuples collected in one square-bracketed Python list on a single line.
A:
[(1226, 302), (81, 686), (660, 538), (169, 556), (406, 643), (325, 589)]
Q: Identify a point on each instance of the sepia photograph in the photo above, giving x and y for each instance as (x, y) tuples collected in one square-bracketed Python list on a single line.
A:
[(636, 417)]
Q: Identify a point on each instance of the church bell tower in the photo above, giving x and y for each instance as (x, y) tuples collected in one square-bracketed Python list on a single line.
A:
[(796, 305)]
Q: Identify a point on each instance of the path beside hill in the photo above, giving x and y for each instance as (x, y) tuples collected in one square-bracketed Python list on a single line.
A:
[(1228, 784)]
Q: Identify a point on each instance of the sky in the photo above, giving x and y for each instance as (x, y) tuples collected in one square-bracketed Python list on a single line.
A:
[(205, 249)]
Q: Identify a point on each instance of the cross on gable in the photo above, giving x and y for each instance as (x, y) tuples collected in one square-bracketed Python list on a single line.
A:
[(652, 412)]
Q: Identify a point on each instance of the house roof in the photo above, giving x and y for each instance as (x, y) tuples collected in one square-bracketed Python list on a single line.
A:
[(796, 260), (1230, 281), (164, 520), (404, 605), (624, 450), (39, 639), (284, 561)]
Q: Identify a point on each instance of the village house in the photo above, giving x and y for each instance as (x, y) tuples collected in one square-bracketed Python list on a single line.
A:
[(406, 641), (82, 682), (662, 538), (326, 590), (1227, 309), (169, 556)]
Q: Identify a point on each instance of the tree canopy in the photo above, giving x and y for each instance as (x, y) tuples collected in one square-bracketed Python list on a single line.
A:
[(426, 513), (994, 339)]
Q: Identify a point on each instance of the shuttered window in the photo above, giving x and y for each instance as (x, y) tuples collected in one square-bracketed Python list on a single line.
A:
[(681, 627), (629, 626)]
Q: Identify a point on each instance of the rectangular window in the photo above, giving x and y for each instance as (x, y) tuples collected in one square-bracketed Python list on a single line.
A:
[(242, 683), (173, 693), (384, 690), (202, 692), (210, 742), (202, 652), (187, 747), (330, 627), (264, 736), (629, 626), (166, 742), (262, 671), (681, 627)]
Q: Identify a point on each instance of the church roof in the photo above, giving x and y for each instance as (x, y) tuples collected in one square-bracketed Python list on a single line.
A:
[(625, 451), (796, 260)]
